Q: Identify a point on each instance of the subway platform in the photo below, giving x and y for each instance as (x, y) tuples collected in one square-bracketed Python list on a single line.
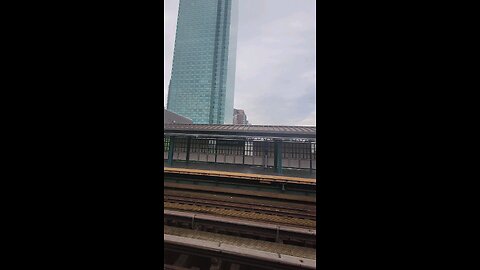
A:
[(304, 173)]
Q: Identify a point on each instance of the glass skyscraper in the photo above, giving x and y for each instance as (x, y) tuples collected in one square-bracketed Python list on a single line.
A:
[(203, 72)]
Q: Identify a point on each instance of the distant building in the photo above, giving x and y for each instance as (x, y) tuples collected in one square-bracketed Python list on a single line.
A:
[(239, 117), (173, 118), (203, 71)]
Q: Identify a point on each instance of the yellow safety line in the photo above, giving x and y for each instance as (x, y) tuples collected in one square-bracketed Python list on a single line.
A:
[(260, 177)]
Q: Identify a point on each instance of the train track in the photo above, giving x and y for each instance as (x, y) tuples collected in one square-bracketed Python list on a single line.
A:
[(252, 185), (216, 221), (269, 207), (241, 228), (273, 219), (237, 208)]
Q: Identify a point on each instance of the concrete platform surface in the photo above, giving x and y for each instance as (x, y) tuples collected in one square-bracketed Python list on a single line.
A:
[(242, 169)]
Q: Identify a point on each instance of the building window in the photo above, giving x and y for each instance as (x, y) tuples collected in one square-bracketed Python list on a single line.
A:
[(248, 148), (166, 144)]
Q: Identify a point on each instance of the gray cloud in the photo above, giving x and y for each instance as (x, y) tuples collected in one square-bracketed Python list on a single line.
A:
[(276, 59)]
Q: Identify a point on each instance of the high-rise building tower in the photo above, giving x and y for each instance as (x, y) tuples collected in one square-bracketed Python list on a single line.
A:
[(203, 72), (239, 117)]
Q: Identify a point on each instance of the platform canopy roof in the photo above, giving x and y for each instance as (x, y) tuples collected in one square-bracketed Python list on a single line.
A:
[(301, 132)]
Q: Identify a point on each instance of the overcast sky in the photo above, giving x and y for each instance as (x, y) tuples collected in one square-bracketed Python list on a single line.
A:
[(276, 59)]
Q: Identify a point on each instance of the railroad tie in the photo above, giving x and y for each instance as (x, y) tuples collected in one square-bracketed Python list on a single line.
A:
[(241, 214)]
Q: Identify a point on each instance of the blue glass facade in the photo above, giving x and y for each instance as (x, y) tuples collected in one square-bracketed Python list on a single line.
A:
[(203, 72)]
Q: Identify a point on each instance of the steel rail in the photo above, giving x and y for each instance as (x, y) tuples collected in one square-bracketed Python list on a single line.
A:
[(250, 193), (276, 233), (264, 202), (249, 207)]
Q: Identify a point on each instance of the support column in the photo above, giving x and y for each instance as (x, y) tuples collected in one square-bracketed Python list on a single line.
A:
[(170, 151), (216, 264), (265, 154), (278, 157), (216, 146), (234, 266), (243, 157), (311, 156), (181, 261), (189, 143)]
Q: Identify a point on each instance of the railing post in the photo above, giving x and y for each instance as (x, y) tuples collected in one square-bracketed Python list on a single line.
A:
[(170, 151), (189, 142), (243, 147), (311, 156), (278, 157)]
